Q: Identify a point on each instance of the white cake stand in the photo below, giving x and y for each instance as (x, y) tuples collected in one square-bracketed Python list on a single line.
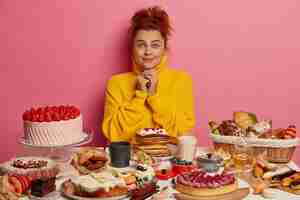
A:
[(56, 152)]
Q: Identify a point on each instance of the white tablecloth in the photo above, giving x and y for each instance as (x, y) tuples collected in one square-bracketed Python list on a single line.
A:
[(69, 171)]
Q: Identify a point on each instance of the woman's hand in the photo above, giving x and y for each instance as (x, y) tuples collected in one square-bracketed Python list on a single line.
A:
[(141, 83), (147, 81), (151, 76)]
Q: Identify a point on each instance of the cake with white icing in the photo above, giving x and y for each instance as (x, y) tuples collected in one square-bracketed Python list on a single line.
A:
[(53, 125), (103, 184), (94, 181)]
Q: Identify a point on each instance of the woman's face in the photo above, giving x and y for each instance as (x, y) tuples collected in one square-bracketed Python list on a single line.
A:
[(148, 48)]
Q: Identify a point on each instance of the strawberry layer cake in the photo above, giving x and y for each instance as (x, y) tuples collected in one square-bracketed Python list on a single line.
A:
[(53, 125)]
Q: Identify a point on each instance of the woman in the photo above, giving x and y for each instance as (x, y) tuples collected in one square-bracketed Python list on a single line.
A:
[(152, 95)]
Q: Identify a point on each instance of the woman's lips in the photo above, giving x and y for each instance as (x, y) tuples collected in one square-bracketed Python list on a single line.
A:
[(148, 60)]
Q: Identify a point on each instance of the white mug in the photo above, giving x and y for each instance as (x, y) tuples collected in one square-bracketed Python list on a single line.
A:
[(186, 147)]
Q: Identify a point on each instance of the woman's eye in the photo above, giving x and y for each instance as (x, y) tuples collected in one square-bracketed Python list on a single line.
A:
[(155, 46), (140, 45)]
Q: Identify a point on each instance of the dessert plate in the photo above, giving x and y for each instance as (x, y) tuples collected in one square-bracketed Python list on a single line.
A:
[(51, 196), (74, 197), (86, 138), (237, 195), (162, 158)]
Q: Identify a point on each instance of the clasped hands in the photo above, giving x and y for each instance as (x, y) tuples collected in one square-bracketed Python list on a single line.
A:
[(147, 81)]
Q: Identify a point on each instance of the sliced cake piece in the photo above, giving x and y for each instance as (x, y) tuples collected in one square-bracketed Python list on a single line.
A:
[(42, 187)]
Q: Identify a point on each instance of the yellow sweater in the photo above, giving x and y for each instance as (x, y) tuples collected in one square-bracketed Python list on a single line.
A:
[(127, 110)]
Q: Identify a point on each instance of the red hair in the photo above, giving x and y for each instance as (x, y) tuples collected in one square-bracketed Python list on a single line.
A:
[(153, 18)]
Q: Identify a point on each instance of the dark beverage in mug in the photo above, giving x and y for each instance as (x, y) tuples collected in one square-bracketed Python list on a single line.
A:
[(119, 154)]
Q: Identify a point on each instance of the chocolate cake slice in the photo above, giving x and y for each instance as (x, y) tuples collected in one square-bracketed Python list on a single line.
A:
[(144, 191), (41, 187)]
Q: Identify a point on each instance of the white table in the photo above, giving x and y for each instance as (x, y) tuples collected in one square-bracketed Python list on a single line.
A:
[(280, 195), (68, 170)]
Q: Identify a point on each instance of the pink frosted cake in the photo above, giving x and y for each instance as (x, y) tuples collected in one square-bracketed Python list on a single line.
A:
[(35, 167), (53, 125)]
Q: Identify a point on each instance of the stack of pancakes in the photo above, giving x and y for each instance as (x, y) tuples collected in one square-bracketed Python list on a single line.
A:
[(153, 141)]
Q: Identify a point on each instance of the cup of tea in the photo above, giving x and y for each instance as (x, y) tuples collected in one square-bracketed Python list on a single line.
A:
[(119, 154), (243, 157), (210, 162)]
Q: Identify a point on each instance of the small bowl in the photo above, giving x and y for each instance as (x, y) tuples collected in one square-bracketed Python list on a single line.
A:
[(210, 162)]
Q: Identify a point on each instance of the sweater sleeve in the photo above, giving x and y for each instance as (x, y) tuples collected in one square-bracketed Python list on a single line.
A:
[(175, 112), (122, 118)]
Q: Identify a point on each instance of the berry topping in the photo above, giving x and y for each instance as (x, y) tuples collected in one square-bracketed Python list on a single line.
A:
[(29, 164), (51, 113)]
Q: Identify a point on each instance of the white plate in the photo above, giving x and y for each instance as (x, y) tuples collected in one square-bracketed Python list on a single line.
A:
[(86, 138), (51, 196), (165, 158), (94, 198)]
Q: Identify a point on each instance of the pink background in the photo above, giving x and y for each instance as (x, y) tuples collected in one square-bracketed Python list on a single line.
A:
[(243, 55)]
